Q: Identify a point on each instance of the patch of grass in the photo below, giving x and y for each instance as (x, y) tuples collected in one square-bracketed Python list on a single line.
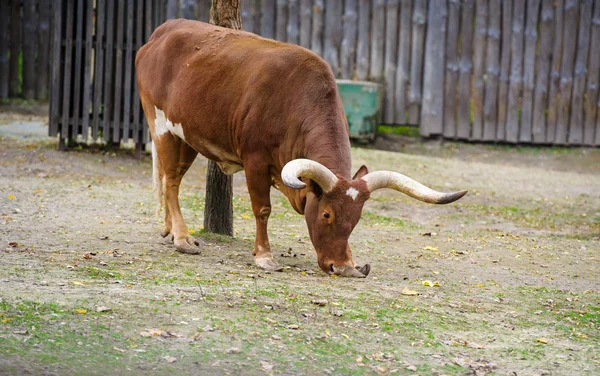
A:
[(372, 219), (399, 130)]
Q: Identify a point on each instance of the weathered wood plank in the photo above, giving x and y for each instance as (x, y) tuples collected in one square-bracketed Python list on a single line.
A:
[(138, 118), (419, 20), (317, 27), (30, 47), (305, 22), (108, 72), (477, 98), (55, 99), (127, 80), (172, 9), (531, 36), (463, 130), (378, 40), (293, 35), (66, 89), (281, 21), (87, 69), (4, 46), (504, 70), (333, 34), (591, 93), (403, 68), (203, 8), (516, 71), (432, 111), (362, 47), (267, 25), (566, 70), (98, 66), (187, 9), (583, 41), (43, 51), (490, 107), (15, 48), (247, 12), (543, 72), (118, 75), (391, 56), (75, 97), (553, 95), (348, 49)]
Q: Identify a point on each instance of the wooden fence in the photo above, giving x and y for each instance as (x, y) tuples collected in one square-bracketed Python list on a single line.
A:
[(25, 48), (517, 71)]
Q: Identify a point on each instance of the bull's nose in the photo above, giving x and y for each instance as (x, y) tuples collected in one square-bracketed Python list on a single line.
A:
[(347, 271)]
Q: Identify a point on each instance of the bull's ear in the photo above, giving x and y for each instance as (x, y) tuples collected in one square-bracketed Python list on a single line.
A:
[(362, 171)]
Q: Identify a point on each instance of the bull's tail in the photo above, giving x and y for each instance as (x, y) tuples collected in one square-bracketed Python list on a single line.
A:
[(157, 184)]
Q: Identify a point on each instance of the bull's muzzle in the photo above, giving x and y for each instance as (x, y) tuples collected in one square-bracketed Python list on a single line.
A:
[(349, 271)]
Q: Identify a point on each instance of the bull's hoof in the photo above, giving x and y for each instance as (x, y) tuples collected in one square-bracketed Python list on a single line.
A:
[(267, 263), (187, 245), (165, 233)]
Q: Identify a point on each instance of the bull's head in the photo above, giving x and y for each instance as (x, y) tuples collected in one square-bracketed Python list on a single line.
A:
[(334, 205)]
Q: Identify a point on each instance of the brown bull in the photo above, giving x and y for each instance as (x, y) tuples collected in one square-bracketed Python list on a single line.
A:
[(271, 109)]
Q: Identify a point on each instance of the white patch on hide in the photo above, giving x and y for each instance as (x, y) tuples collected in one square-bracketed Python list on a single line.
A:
[(352, 193), (163, 125)]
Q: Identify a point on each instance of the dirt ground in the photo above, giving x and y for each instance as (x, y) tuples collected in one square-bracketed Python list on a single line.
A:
[(504, 281)]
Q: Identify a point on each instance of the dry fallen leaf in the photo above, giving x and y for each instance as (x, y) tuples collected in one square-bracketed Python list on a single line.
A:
[(428, 248), (543, 340), (320, 302), (266, 365), (474, 345), (11, 197), (170, 359), (409, 292), (82, 311)]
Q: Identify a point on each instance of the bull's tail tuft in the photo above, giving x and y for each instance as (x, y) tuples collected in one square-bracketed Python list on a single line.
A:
[(157, 184)]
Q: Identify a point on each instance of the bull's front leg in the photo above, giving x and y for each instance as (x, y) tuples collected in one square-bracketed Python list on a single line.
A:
[(259, 186)]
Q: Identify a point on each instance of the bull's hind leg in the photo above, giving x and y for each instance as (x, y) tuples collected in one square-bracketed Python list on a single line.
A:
[(175, 158), (259, 186)]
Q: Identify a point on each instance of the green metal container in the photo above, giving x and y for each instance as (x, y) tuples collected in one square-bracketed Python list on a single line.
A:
[(362, 103)]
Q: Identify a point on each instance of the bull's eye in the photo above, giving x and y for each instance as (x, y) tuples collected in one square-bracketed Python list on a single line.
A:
[(326, 215)]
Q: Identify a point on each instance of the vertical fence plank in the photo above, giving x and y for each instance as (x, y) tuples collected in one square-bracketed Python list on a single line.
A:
[(98, 65), (516, 71), (531, 36), (504, 69), (463, 130), (591, 93), (490, 107), (333, 34), (317, 28), (4, 42), (451, 69), (555, 72), (542, 72), (29, 48), (362, 47), (43, 51), (305, 22), (281, 20), (416, 65), (348, 50), (566, 70), (203, 7), (293, 22), (377, 40), (247, 12), (187, 9), (139, 41), (108, 71), (402, 71), (391, 56), (76, 96), (432, 116), (477, 97), (56, 68), (128, 70), (118, 75), (87, 68), (172, 9), (583, 40), (267, 25), (15, 48), (66, 89)]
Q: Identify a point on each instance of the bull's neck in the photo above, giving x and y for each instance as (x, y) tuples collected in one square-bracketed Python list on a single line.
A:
[(330, 146)]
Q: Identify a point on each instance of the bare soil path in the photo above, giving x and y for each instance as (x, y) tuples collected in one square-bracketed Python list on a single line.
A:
[(504, 281)]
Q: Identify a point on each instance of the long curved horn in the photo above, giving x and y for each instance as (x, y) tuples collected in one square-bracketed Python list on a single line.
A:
[(394, 180), (310, 170)]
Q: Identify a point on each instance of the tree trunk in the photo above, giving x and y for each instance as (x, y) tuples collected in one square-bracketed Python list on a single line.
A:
[(218, 208)]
